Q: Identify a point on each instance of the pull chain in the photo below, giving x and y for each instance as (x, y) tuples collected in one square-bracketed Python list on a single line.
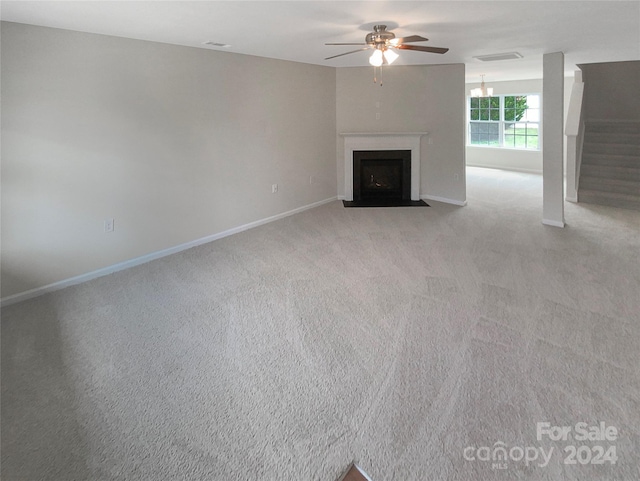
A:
[(375, 79)]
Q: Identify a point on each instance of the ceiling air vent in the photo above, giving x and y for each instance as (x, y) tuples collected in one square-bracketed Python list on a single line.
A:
[(216, 44), (499, 56)]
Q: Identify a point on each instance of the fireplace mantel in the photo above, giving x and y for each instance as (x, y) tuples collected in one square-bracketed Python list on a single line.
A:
[(382, 141)]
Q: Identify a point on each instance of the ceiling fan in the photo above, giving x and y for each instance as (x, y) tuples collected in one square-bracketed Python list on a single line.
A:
[(382, 42)]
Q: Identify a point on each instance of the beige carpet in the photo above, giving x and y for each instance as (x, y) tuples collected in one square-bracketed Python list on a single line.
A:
[(410, 341)]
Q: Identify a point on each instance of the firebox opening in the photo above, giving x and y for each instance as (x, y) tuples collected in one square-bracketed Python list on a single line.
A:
[(382, 175)]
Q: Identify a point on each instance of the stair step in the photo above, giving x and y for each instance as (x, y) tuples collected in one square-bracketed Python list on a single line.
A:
[(610, 185), (620, 126), (610, 169), (610, 172), (355, 474), (612, 149), (611, 160), (632, 138), (624, 201)]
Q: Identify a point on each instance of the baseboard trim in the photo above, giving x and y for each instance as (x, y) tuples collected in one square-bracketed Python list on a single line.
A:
[(444, 199), (569, 198), (56, 286), (553, 223), (507, 168)]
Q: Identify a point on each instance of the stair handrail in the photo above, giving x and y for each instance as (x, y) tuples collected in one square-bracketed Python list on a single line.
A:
[(574, 131)]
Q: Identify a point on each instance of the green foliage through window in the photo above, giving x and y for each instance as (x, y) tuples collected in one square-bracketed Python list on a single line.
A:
[(514, 107)]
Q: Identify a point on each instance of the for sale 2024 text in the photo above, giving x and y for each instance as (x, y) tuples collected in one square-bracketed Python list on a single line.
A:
[(583, 432)]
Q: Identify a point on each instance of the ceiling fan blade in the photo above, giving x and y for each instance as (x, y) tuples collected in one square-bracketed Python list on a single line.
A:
[(347, 53), (359, 43), (410, 38), (423, 49)]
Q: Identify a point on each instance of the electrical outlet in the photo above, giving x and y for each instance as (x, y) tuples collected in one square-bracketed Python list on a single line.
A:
[(377, 115), (311, 179), (109, 225), (274, 188), (430, 141)]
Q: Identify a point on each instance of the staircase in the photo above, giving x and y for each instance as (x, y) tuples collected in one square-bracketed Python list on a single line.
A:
[(610, 170), (355, 474)]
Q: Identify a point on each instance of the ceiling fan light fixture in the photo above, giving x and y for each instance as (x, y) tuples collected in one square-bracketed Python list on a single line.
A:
[(390, 56), (376, 58)]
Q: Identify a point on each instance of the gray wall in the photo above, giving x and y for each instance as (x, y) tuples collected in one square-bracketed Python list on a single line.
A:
[(174, 143), (611, 90), (428, 98), (178, 144)]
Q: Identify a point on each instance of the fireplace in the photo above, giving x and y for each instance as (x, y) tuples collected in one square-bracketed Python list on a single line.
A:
[(382, 175), (388, 144)]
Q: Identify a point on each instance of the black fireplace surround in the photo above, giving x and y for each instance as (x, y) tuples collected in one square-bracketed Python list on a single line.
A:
[(381, 178)]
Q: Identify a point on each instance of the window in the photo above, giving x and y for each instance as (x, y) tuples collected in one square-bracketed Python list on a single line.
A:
[(507, 121)]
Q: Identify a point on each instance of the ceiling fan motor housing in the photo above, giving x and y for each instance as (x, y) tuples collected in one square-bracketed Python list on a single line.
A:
[(380, 37)]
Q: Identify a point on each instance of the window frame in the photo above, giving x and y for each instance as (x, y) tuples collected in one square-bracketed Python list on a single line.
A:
[(501, 123)]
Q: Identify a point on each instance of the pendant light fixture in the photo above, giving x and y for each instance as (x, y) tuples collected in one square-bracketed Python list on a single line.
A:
[(483, 91)]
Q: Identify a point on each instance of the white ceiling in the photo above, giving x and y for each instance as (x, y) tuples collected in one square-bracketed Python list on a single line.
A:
[(586, 31)]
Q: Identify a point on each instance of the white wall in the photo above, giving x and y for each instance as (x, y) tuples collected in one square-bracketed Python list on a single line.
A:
[(426, 98), (174, 143)]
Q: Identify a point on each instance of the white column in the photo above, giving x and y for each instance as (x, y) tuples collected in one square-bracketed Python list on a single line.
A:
[(552, 139)]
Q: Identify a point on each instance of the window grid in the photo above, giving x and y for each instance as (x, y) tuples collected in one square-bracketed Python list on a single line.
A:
[(500, 121)]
